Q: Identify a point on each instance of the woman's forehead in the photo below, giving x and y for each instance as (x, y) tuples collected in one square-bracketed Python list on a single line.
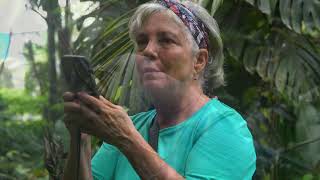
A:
[(161, 23), (160, 32)]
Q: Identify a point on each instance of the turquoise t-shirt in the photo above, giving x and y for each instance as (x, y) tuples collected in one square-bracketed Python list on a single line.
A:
[(214, 143)]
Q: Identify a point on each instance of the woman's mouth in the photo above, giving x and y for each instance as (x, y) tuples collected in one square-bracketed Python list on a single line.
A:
[(150, 70)]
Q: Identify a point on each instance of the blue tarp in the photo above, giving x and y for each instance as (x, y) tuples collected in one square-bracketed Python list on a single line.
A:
[(4, 45)]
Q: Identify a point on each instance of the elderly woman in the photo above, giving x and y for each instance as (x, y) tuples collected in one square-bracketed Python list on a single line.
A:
[(188, 135)]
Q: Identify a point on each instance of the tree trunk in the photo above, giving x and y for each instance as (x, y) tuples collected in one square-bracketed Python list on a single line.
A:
[(64, 33), (52, 68), (64, 41), (34, 68), (53, 149)]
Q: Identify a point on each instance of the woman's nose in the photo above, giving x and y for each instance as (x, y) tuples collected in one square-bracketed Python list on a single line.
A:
[(151, 50)]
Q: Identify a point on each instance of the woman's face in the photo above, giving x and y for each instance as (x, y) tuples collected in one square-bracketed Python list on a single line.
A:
[(164, 54)]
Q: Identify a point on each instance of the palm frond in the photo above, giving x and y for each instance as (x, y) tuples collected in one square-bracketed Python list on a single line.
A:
[(114, 64)]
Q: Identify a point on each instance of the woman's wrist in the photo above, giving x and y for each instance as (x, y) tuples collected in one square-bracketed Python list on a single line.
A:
[(129, 143)]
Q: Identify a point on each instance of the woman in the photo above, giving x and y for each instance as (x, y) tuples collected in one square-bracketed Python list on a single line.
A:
[(192, 136)]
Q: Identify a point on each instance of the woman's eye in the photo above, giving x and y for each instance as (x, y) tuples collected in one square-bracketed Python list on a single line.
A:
[(166, 40), (141, 44)]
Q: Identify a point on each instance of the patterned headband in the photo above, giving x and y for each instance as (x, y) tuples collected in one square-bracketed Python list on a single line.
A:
[(195, 26)]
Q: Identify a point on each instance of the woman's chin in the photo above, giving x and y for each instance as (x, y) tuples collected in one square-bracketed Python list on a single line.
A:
[(155, 85)]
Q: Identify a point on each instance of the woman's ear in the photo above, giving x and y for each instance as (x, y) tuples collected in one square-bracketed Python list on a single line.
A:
[(201, 60)]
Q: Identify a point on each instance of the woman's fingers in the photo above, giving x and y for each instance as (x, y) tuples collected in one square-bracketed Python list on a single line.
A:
[(68, 96), (89, 100), (93, 116), (80, 110), (88, 113), (78, 115), (71, 107), (106, 102), (92, 122)]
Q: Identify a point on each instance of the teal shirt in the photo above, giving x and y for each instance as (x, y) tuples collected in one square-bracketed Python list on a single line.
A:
[(214, 143)]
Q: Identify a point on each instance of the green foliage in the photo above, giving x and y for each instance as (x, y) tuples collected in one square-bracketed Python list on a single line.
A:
[(21, 150), (114, 55), (36, 77), (286, 137), (302, 16), (21, 141), (103, 16), (19, 102), (289, 61), (287, 64)]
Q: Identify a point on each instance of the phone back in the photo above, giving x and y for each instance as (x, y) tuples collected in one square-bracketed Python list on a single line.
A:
[(78, 75)]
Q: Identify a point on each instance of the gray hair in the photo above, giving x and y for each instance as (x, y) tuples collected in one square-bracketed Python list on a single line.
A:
[(213, 75)]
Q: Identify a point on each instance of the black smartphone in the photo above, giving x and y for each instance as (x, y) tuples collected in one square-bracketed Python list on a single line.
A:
[(79, 75)]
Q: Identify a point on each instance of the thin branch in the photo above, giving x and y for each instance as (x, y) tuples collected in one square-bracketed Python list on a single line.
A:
[(296, 163), (298, 145), (36, 11)]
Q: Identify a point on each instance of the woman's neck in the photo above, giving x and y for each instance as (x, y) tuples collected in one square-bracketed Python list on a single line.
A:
[(175, 107)]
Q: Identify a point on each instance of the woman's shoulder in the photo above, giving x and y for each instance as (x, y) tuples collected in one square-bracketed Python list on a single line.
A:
[(218, 115), (222, 141), (219, 112), (217, 107)]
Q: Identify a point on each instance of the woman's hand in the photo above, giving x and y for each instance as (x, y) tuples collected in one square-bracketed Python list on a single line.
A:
[(97, 117), (69, 97)]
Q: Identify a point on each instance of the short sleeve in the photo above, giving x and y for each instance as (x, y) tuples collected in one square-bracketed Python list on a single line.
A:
[(224, 151), (104, 162)]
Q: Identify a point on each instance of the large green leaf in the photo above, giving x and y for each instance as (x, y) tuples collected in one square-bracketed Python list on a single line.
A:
[(289, 61), (308, 127), (302, 16), (286, 60)]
